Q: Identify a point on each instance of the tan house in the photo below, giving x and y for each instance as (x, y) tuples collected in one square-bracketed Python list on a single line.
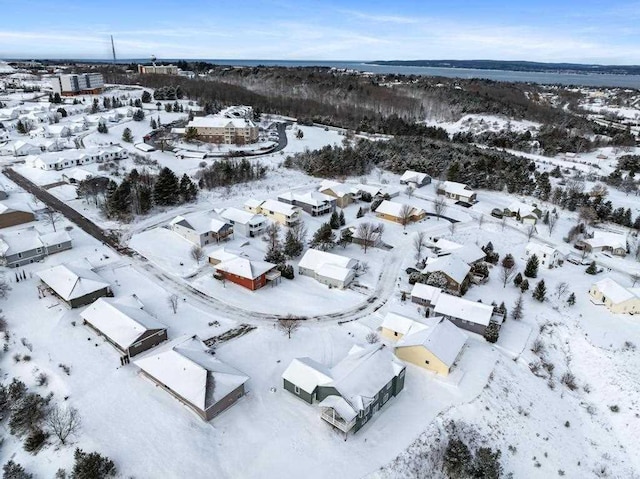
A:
[(617, 298), (436, 348), (13, 217), (283, 213), (526, 214), (399, 212), (220, 129), (344, 193), (395, 326)]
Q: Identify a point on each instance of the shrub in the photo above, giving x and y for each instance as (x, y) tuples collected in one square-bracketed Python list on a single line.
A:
[(569, 380), (91, 465), (614, 408), (35, 440)]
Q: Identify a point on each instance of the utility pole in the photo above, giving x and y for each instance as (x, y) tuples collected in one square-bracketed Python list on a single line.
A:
[(113, 50)]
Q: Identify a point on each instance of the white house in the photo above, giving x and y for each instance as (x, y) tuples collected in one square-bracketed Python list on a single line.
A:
[(19, 148), (548, 256), (527, 214), (465, 314), (415, 179), (328, 268), (200, 228), (457, 191), (605, 241), (71, 158), (245, 223), (394, 326)]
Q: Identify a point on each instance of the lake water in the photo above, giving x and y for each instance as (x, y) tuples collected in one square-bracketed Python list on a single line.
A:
[(587, 79)]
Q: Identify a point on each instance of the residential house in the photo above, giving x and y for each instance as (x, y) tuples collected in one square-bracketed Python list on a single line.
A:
[(353, 390), (548, 256), (13, 216), (455, 270), (344, 193), (251, 274), (27, 246), (124, 324), (470, 315), (415, 179), (328, 268), (245, 223), (457, 191), (394, 326), (399, 212), (605, 241), (201, 229), (189, 371), (436, 348), (314, 203), (70, 158), (74, 176), (372, 241), (470, 253), (19, 148), (527, 214), (617, 298), (378, 191), (220, 129), (425, 295), (283, 213), (75, 283)]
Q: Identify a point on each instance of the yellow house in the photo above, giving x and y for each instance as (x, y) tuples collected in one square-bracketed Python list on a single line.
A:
[(617, 298), (436, 348), (399, 213), (395, 326), (283, 213)]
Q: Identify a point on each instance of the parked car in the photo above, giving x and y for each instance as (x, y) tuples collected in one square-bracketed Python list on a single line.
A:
[(464, 204), (497, 213), (411, 270)]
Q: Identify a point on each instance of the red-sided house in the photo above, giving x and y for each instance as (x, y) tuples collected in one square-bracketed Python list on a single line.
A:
[(243, 271)]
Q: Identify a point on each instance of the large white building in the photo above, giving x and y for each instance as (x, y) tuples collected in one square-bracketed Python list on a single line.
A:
[(70, 158), (78, 84)]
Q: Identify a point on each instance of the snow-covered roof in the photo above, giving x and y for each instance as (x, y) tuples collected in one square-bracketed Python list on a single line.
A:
[(243, 267), (339, 273), (449, 305), (77, 174), (469, 253), (363, 373), (615, 291), (14, 242), (186, 366), (456, 188), (239, 216), (217, 121), (279, 207), (312, 198), (413, 177), (444, 341), (392, 208), (340, 189), (451, 265), (401, 324), (200, 223), (307, 374), (522, 208), (55, 238), (314, 259), (339, 405), (374, 190), (121, 323), (72, 280), (607, 238), (540, 249), (426, 292)]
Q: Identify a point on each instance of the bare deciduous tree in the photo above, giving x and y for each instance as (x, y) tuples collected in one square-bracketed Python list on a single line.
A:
[(4, 287), (452, 227), (51, 217), (367, 233), (63, 422), (419, 243), (518, 307), (507, 273), (197, 254), (405, 215), (439, 206), (172, 300), (372, 338), (531, 230), (409, 190), (561, 289), (553, 220), (362, 267), (480, 221), (288, 325), (635, 277)]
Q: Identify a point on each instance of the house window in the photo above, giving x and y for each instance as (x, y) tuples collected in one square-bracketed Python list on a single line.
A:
[(296, 389), (385, 398), (361, 413), (38, 250), (395, 333), (19, 255), (426, 361)]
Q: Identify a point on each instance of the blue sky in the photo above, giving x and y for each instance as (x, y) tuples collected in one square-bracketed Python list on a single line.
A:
[(545, 30)]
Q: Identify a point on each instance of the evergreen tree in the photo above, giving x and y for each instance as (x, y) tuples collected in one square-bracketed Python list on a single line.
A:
[(324, 238), (21, 128), (166, 191), (188, 189), (531, 270), (592, 268), (540, 291), (346, 237), (13, 470), (360, 213), (146, 97), (486, 464), (492, 332), (145, 198), (102, 128), (95, 107), (524, 286), (153, 124), (571, 300), (342, 220), (508, 262), (292, 245), (457, 459), (335, 221), (138, 115), (92, 465), (126, 135), (517, 311), (518, 279)]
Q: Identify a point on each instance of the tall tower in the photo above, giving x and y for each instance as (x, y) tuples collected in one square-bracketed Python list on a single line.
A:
[(113, 50)]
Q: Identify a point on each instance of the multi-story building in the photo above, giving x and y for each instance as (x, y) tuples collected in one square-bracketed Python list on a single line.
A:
[(220, 129), (78, 84), (158, 69)]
